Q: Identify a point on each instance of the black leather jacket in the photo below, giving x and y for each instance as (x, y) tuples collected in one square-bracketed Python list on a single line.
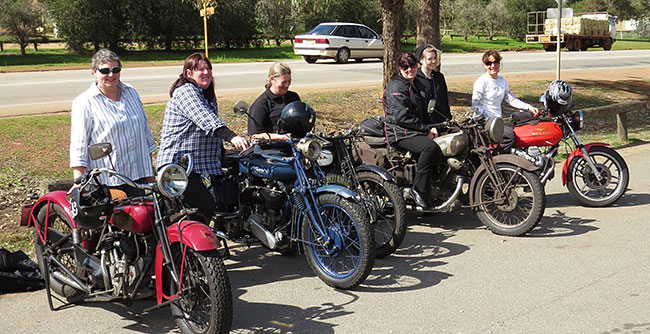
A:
[(435, 88), (405, 110)]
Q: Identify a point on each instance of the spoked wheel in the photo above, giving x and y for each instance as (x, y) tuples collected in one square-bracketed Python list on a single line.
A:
[(585, 187), (519, 210), (346, 258), (205, 304), (54, 237), (390, 212)]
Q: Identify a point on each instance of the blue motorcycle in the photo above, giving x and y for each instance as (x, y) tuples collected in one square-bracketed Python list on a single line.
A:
[(276, 202)]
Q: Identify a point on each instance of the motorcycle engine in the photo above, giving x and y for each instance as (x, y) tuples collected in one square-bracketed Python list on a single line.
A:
[(124, 255), (533, 154)]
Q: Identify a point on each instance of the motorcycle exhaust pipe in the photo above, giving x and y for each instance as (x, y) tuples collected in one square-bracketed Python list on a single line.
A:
[(260, 232), (68, 281), (451, 199), (549, 173)]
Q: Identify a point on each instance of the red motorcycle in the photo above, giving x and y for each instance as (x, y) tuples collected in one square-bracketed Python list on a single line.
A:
[(595, 174), (101, 246)]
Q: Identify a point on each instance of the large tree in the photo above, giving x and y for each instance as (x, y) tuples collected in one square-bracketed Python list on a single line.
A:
[(391, 10), (20, 18), (493, 18), (100, 23), (275, 19), (428, 30), (161, 22), (469, 17), (517, 13)]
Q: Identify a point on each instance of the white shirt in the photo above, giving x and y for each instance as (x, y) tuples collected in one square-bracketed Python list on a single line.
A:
[(96, 119), (488, 94)]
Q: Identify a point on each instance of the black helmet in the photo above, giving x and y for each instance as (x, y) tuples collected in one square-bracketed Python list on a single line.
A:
[(558, 97), (89, 204), (297, 118)]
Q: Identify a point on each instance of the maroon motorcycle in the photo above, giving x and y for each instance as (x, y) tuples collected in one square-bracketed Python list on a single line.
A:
[(98, 245)]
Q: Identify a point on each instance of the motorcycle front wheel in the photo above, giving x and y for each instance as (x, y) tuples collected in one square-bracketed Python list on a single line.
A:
[(344, 258), (587, 189), (58, 243), (390, 210), (516, 213), (205, 299)]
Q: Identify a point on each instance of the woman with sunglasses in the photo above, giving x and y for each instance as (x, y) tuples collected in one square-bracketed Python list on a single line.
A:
[(111, 111), (409, 127), (191, 125), (490, 90)]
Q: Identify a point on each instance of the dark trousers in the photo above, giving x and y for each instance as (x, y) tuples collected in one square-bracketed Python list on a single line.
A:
[(507, 141), (427, 150), (198, 196)]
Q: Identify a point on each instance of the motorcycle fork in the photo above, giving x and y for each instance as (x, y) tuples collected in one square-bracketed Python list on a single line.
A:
[(159, 228), (306, 193), (496, 177), (585, 154)]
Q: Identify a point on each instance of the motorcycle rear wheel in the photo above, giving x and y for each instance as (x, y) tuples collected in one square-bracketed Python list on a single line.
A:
[(584, 186), (521, 211), (58, 227), (348, 259), (205, 304)]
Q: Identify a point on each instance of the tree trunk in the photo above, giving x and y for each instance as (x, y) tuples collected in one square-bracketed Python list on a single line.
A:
[(23, 46), (428, 30), (391, 11)]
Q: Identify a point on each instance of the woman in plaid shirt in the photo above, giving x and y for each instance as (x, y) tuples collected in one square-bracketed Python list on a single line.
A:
[(192, 126)]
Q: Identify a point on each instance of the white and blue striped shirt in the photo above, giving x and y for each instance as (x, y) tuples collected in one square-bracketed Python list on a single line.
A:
[(96, 119)]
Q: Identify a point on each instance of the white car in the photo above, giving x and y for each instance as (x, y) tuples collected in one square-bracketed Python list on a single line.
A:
[(339, 40)]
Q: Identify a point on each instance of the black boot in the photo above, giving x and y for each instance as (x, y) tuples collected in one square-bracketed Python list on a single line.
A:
[(419, 198)]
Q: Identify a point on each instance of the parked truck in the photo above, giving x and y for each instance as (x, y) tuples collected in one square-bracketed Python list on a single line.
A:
[(579, 32)]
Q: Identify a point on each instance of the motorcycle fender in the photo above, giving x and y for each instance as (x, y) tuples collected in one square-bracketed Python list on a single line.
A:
[(196, 235), (338, 190), (377, 170), (501, 158), (58, 197), (576, 153)]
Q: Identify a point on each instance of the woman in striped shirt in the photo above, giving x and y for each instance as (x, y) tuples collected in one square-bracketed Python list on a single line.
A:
[(111, 111)]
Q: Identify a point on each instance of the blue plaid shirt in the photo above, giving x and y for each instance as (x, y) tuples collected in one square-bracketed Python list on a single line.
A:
[(189, 127)]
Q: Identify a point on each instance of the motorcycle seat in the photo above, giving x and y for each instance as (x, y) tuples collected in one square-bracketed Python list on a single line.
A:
[(375, 141)]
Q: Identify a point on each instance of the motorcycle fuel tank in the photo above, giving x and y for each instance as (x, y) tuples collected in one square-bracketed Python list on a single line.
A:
[(261, 167), (136, 218), (452, 144), (541, 134)]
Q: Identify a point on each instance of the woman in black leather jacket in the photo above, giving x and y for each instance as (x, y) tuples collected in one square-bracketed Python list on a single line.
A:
[(409, 127)]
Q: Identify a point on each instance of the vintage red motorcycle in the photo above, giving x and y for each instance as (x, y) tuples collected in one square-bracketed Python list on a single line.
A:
[(100, 246), (595, 174)]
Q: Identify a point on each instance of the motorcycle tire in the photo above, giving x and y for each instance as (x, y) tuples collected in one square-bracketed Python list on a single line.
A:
[(58, 227), (387, 200), (346, 261), (390, 226), (584, 186), (523, 208), (205, 304)]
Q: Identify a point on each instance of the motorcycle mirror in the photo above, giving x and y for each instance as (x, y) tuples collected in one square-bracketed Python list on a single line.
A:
[(99, 150), (432, 106), (240, 107)]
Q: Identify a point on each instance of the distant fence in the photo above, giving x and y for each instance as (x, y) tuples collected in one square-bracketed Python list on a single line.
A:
[(620, 110)]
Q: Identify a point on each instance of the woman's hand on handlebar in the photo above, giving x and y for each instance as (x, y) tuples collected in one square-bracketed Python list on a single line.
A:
[(433, 133), (240, 143)]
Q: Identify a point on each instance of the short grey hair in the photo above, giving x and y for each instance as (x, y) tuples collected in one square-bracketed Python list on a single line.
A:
[(104, 56)]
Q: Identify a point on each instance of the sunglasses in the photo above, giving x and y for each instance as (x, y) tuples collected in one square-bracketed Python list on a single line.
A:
[(106, 70), (490, 63), (407, 66)]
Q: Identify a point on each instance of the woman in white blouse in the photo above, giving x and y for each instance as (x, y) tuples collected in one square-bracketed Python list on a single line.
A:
[(490, 90), (111, 111)]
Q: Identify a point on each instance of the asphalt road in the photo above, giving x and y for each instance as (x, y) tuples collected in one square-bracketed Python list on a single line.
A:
[(582, 270), (28, 93)]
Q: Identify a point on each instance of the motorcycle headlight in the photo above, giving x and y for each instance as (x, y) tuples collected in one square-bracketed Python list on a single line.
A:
[(172, 180), (494, 127), (577, 120), (309, 148)]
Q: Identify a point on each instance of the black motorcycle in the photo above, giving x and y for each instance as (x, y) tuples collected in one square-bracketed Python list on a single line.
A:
[(380, 196)]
